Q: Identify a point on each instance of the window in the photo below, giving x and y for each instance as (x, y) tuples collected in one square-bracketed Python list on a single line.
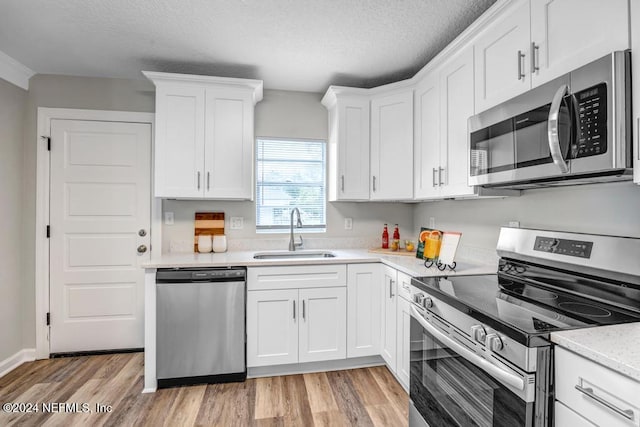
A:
[(290, 174)]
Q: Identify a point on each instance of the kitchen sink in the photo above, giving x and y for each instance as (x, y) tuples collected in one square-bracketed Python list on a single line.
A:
[(293, 254)]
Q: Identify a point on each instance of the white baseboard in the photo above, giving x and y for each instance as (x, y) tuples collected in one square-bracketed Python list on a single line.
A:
[(149, 390), (305, 368), (12, 362)]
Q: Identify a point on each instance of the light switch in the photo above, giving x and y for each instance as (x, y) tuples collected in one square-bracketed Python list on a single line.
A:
[(348, 223), (168, 218)]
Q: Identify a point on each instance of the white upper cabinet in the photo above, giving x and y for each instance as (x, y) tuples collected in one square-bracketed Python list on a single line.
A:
[(443, 104), (348, 147), (392, 146), (427, 137), (501, 52), (204, 136), (533, 41), (566, 34)]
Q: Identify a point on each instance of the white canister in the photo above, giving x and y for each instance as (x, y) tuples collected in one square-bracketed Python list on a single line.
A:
[(204, 243), (219, 243)]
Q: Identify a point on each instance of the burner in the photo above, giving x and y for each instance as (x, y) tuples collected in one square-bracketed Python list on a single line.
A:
[(585, 309)]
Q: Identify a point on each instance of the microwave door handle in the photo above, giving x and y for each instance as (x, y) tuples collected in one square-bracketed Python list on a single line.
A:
[(553, 132), (505, 376)]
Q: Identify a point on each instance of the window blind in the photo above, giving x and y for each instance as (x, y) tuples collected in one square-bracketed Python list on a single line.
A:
[(290, 174)]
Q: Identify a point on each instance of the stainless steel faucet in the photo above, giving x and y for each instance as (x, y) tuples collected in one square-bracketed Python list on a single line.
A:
[(292, 242)]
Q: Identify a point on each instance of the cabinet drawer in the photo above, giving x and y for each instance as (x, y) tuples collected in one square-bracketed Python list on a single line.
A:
[(296, 277), (404, 290), (613, 389), (566, 417)]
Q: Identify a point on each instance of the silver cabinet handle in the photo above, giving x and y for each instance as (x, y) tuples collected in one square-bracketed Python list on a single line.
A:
[(391, 289), (435, 171), (303, 311), (535, 57), (374, 183), (520, 58), (553, 132), (142, 249), (440, 170), (342, 182), (294, 309), (208, 180), (588, 391), (198, 180), (502, 375)]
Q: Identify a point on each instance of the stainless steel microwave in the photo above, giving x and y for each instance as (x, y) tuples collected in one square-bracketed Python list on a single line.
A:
[(575, 129)]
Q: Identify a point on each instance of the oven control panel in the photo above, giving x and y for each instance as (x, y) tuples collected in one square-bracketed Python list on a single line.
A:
[(575, 248)]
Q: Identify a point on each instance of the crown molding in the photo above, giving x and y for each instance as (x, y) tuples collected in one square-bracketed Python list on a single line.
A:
[(14, 72)]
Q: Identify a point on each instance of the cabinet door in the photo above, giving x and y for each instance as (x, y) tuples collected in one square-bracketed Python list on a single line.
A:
[(564, 416), (179, 141), (456, 87), (229, 144), (427, 137), (323, 324), (272, 327), (572, 33), (363, 309), (403, 341), (500, 65), (352, 180), (389, 320), (392, 147)]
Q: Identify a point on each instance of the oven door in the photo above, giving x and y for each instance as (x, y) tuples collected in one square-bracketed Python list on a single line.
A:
[(449, 387)]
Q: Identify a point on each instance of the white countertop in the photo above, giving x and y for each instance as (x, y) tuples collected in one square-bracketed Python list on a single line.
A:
[(614, 346), (407, 264)]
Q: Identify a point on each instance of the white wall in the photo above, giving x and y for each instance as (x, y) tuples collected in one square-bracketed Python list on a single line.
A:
[(599, 208), (12, 285), (291, 115)]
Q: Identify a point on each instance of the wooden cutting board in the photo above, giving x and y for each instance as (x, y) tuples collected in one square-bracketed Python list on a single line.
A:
[(401, 251), (211, 223)]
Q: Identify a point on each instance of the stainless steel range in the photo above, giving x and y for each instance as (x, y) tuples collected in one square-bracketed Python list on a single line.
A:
[(480, 348)]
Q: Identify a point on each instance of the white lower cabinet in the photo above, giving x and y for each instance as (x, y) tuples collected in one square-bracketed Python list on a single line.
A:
[(364, 305), (593, 394), (322, 330), (403, 328), (389, 332), (296, 314)]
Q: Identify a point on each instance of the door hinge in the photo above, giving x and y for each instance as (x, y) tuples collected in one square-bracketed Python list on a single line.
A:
[(48, 138), (48, 231), (48, 319)]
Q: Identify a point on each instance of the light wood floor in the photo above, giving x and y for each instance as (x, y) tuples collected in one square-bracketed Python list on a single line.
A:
[(358, 397)]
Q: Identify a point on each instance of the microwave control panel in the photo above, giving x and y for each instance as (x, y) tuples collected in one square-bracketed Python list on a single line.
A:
[(576, 248), (592, 120)]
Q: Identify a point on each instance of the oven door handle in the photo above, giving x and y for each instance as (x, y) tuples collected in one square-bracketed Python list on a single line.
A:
[(553, 129), (495, 371)]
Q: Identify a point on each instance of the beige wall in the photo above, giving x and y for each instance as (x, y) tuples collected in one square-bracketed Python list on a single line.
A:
[(599, 208), (65, 92), (290, 115), (12, 284)]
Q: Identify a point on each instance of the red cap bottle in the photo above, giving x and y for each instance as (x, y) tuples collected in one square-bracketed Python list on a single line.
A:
[(385, 238)]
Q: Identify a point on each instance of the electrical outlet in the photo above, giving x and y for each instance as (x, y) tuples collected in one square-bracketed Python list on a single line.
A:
[(515, 224), (236, 223), (168, 218), (348, 223), (432, 222)]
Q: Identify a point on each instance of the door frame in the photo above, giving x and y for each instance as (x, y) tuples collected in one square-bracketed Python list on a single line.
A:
[(45, 115)]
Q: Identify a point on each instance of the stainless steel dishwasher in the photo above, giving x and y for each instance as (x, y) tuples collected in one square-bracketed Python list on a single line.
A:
[(200, 325)]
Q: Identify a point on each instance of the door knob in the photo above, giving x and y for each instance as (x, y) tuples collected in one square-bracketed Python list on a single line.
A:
[(142, 232), (142, 249)]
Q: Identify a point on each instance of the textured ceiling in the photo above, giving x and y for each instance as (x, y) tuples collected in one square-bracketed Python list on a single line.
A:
[(301, 45)]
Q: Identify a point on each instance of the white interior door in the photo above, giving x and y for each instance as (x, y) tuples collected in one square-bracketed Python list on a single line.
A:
[(99, 201)]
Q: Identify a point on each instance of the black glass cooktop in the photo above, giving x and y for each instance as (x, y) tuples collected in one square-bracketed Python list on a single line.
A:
[(525, 303)]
